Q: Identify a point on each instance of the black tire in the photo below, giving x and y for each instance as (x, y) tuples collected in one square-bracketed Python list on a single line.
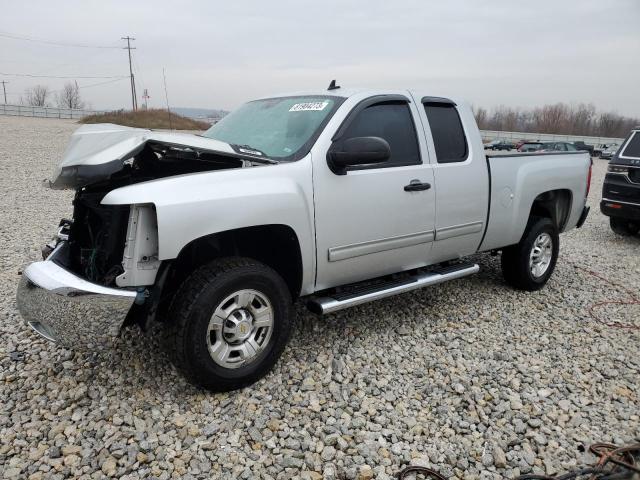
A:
[(186, 334), (623, 226), (515, 261)]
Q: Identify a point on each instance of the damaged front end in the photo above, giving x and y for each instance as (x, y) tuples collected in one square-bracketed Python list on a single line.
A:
[(102, 261)]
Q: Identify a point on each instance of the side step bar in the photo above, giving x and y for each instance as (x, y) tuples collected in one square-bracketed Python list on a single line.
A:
[(339, 301)]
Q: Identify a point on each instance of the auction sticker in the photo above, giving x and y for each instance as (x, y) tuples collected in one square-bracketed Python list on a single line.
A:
[(308, 106)]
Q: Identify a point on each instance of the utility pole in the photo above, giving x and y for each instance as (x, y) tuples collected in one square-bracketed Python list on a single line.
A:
[(166, 96), (134, 101), (5, 90)]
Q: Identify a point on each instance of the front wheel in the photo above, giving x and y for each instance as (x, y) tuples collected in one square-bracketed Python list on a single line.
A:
[(228, 323), (529, 264), (624, 227)]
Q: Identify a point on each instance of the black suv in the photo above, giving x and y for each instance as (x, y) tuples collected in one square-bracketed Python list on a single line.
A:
[(621, 189)]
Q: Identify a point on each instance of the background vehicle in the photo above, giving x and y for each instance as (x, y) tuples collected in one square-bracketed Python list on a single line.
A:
[(599, 148), (499, 145), (329, 196), (530, 147), (608, 152), (558, 147), (621, 188), (519, 143), (580, 145)]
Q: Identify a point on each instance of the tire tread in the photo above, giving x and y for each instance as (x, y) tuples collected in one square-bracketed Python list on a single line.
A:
[(175, 341)]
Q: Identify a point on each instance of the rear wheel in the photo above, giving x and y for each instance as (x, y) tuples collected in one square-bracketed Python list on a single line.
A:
[(623, 226), (228, 323), (529, 264)]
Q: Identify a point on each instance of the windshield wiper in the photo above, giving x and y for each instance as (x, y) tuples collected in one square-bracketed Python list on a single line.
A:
[(256, 154)]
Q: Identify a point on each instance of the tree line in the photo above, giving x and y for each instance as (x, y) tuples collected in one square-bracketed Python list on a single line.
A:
[(42, 96), (559, 118)]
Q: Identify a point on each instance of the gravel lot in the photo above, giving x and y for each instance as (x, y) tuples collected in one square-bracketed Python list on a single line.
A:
[(471, 378)]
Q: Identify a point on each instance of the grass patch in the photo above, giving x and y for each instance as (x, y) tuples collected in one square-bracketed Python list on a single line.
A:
[(152, 118)]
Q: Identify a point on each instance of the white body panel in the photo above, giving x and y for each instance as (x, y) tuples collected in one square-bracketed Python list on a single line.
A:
[(105, 142), (349, 227), (518, 179), (462, 192), (366, 224), (192, 206)]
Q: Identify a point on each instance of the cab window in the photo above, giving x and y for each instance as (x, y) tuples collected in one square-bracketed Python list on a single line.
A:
[(448, 134), (393, 122)]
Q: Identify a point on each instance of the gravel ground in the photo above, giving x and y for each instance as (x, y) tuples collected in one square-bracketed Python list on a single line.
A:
[(471, 378)]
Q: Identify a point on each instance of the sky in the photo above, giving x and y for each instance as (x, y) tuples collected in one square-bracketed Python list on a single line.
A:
[(216, 54)]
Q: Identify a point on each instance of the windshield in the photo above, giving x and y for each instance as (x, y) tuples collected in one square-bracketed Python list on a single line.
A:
[(280, 128)]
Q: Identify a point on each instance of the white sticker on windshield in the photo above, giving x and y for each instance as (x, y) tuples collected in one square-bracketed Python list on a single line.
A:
[(308, 106)]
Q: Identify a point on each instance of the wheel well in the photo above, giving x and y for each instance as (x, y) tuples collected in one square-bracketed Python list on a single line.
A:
[(554, 204), (274, 245)]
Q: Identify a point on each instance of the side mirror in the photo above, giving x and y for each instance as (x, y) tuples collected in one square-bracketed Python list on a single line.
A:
[(358, 151)]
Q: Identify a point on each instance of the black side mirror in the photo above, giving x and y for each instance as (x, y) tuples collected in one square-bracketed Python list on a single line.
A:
[(357, 151)]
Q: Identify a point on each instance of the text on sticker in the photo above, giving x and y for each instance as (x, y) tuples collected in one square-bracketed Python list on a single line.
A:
[(308, 106)]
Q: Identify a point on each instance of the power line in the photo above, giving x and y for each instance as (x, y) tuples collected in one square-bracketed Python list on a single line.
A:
[(101, 83), (60, 76), (49, 42), (81, 87)]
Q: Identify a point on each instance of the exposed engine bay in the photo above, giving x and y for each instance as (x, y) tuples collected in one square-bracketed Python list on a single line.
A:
[(101, 244)]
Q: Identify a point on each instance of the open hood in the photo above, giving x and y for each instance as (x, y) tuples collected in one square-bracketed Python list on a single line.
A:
[(95, 152)]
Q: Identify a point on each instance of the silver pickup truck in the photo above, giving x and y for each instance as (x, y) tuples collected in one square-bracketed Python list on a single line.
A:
[(338, 196)]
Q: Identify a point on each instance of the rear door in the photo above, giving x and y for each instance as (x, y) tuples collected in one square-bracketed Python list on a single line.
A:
[(461, 176), (368, 223)]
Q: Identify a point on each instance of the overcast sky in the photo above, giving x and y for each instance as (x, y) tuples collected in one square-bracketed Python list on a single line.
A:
[(219, 54)]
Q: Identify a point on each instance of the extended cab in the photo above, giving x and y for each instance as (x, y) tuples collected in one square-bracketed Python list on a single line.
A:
[(621, 188), (339, 196)]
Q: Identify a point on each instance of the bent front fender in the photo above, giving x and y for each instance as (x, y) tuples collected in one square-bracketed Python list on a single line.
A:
[(192, 206)]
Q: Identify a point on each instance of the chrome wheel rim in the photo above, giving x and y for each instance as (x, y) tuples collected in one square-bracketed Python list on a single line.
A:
[(240, 328), (541, 254)]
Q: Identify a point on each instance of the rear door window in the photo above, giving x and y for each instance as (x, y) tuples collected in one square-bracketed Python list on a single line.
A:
[(448, 134), (633, 147)]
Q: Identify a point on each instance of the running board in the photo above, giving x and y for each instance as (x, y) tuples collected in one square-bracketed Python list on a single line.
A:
[(338, 301)]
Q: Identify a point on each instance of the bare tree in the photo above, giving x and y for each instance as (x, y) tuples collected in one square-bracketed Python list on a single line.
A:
[(581, 119), (481, 117), (36, 96), (69, 96)]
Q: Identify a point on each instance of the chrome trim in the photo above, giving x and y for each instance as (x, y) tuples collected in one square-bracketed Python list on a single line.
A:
[(620, 201), (62, 236), (624, 147), (69, 310), (625, 175), (324, 305), (381, 245), (458, 230), (620, 165)]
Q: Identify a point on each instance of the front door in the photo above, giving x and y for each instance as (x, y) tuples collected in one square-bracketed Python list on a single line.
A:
[(371, 221)]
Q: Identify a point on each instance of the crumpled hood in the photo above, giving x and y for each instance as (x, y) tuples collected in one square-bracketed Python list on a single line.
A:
[(97, 151)]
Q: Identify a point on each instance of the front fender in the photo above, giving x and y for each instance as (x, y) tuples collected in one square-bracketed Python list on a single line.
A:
[(195, 205)]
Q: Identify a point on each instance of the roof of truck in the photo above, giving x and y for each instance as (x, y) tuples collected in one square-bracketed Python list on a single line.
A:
[(350, 91)]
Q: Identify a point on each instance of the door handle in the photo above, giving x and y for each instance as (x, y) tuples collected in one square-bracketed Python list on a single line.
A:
[(416, 186)]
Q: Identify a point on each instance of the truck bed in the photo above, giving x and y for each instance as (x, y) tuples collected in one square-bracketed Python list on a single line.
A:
[(516, 180)]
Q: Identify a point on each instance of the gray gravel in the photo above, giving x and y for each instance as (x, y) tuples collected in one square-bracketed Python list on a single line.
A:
[(471, 378)]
